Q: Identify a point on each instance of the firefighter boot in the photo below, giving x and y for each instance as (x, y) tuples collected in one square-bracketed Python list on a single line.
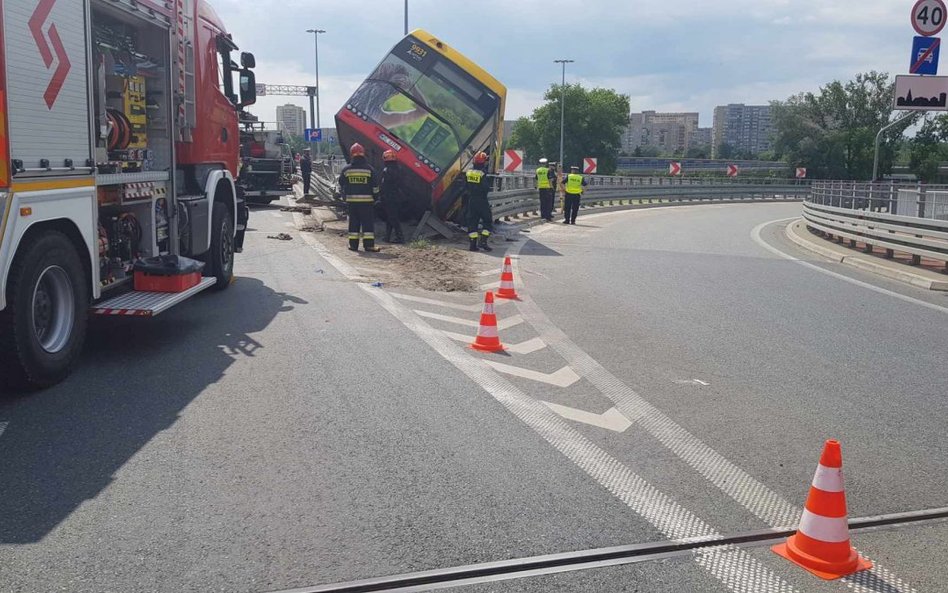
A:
[(473, 246), (353, 244), (483, 244)]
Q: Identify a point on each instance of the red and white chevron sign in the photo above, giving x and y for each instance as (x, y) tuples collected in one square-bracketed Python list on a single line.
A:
[(801, 172), (733, 170), (590, 165), (513, 161), (48, 47), (674, 168)]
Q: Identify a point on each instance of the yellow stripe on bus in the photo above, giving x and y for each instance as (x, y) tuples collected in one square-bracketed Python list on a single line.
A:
[(463, 61), (39, 185)]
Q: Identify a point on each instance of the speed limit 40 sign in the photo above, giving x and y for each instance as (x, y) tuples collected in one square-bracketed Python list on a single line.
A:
[(928, 17)]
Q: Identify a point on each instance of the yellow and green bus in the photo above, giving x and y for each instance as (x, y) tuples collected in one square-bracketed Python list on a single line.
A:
[(436, 109)]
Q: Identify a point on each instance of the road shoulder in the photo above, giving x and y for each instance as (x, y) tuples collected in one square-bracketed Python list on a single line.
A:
[(917, 277)]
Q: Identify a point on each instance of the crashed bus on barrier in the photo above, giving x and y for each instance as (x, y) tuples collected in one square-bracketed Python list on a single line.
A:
[(435, 108)]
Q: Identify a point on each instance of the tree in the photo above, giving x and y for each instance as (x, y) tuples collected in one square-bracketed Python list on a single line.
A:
[(650, 151), (296, 143), (726, 151), (594, 122), (698, 152), (832, 133), (929, 148)]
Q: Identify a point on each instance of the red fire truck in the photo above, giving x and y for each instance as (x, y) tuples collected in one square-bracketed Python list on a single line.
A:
[(119, 143)]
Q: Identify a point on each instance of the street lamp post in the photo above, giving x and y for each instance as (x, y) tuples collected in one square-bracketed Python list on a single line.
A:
[(316, 33), (562, 108), (406, 18)]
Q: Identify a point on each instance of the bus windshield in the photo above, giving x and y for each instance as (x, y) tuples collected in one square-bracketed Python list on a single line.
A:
[(425, 101)]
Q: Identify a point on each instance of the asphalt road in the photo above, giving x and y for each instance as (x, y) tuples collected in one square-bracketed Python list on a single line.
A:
[(301, 429)]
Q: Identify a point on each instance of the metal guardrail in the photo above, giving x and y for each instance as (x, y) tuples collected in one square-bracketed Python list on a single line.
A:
[(514, 195), (903, 199), (911, 219)]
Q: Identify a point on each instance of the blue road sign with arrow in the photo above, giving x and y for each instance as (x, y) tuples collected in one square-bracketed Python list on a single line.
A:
[(925, 55), (313, 135)]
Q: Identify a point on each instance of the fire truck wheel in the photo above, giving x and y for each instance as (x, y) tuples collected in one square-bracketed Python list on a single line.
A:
[(220, 258), (44, 324)]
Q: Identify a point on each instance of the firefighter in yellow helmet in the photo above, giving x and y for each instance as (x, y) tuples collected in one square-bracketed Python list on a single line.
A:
[(478, 208), (358, 184), (574, 192)]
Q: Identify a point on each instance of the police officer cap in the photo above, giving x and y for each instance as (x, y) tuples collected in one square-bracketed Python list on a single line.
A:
[(543, 161)]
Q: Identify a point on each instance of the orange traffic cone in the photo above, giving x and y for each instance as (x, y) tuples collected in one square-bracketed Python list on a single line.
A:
[(507, 290), (821, 543), (487, 339)]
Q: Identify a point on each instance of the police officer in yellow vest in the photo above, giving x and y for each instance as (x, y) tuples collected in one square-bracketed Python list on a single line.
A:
[(574, 191), (546, 177)]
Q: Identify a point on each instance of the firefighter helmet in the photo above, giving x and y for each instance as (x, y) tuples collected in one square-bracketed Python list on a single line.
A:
[(356, 150), (389, 155), (480, 158)]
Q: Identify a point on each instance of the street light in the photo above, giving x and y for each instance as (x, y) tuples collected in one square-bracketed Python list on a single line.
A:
[(562, 109), (316, 124)]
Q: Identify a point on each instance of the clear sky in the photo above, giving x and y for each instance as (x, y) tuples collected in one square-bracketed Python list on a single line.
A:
[(687, 55)]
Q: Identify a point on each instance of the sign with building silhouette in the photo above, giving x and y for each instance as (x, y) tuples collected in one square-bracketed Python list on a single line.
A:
[(921, 93)]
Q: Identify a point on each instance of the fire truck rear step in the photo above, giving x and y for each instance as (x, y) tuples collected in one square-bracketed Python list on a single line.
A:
[(147, 304)]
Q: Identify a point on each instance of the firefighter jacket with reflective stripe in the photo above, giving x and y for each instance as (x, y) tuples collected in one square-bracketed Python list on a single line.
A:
[(358, 183), (391, 182), (478, 184), (543, 178), (575, 183)]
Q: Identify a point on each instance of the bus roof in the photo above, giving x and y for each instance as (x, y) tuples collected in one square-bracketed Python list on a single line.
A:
[(463, 61)]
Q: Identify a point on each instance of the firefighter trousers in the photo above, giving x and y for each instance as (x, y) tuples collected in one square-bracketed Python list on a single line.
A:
[(392, 222), (361, 225), (478, 213)]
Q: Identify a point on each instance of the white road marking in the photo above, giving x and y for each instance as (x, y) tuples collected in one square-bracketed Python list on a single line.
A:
[(561, 378), (505, 323), (276, 214), (3, 427), (439, 303), (527, 347), (490, 285), (734, 567), (755, 234), (690, 382), (746, 490), (612, 419)]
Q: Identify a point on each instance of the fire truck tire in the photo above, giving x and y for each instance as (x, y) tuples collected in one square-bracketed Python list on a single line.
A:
[(220, 257), (44, 324)]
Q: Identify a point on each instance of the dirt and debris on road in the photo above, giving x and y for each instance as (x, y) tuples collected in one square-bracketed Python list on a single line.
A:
[(281, 237), (426, 265)]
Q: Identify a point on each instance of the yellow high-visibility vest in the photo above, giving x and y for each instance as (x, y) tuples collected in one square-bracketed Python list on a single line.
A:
[(543, 178), (574, 183)]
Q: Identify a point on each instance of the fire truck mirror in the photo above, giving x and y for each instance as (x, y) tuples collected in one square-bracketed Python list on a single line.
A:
[(248, 88), (247, 60)]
